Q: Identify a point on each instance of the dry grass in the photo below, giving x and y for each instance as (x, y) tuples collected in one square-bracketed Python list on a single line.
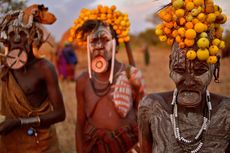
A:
[(156, 77)]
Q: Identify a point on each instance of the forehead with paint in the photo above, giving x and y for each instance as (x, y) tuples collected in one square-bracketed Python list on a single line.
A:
[(17, 34), (179, 61), (190, 77), (100, 35)]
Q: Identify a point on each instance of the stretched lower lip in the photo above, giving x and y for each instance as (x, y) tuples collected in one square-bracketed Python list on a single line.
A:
[(189, 98), (193, 91)]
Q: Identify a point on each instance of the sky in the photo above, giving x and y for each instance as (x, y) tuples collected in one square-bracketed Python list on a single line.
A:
[(139, 10)]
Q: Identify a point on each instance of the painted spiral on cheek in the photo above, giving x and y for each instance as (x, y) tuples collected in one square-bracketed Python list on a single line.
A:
[(99, 64)]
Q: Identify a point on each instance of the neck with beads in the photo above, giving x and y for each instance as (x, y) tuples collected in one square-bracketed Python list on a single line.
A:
[(199, 137)]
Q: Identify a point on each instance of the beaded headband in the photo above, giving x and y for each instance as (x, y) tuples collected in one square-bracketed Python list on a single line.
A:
[(193, 24), (119, 22)]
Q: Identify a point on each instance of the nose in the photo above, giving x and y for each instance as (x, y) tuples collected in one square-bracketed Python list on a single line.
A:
[(189, 80), (17, 38), (99, 45)]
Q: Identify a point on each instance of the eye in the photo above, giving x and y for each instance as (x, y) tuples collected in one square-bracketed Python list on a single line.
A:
[(11, 34), (179, 70), (22, 34), (93, 41), (201, 71)]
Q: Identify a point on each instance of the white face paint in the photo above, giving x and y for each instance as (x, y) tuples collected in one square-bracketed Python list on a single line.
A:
[(190, 77), (18, 46), (101, 46)]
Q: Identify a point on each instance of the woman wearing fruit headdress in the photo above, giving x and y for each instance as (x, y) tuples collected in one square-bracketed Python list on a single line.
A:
[(189, 119), (109, 92)]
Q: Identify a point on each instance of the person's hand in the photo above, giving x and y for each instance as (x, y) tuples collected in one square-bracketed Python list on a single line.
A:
[(137, 89), (8, 125)]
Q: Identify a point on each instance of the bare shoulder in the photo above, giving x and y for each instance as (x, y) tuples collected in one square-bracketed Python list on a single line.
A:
[(82, 77), (162, 99), (81, 80), (44, 65), (219, 101)]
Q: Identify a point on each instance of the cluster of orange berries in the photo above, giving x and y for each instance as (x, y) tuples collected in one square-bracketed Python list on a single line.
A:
[(193, 22), (119, 22)]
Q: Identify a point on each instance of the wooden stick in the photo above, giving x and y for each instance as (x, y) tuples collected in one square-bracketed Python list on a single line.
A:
[(129, 53)]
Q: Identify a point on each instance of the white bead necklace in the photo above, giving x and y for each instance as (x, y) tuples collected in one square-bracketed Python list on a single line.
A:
[(203, 129)]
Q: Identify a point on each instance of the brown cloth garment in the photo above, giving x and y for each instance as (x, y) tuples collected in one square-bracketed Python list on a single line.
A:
[(121, 140), (14, 104)]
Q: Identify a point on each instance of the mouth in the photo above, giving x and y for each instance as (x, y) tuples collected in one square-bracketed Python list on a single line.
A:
[(99, 64), (189, 98)]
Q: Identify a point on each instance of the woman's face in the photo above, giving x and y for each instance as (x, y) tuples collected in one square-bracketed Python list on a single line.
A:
[(190, 77), (101, 48), (100, 42)]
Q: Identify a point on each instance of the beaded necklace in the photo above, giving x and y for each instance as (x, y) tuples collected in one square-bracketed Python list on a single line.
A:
[(200, 135)]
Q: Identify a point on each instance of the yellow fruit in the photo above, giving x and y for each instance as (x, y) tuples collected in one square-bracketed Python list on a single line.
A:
[(167, 31), (211, 17), (157, 32), (113, 7), (202, 54), (203, 35), (182, 45), (189, 17), (190, 34), (120, 40), (201, 17), (191, 55), (189, 6), (189, 42), (224, 19), (216, 42), (178, 4), (170, 41), (165, 16), (163, 38), (205, 27), (209, 6), (195, 21), (127, 38), (213, 50), (203, 43), (181, 31), (182, 21), (180, 13), (198, 2), (174, 33), (159, 26), (169, 24), (189, 25), (195, 12), (199, 27), (218, 32), (212, 60), (222, 45), (178, 39)]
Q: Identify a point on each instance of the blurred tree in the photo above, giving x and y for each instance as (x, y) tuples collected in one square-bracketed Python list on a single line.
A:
[(6, 5), (149, 37)]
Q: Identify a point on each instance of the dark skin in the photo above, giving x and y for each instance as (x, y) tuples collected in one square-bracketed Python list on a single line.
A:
[(189, 77), (38, 81), (99, 110)]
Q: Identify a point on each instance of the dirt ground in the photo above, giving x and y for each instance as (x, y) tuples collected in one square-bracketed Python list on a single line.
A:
[(157, 79)]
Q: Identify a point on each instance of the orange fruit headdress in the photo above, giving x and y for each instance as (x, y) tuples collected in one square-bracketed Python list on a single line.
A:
[(119, 22), (194, 24)]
